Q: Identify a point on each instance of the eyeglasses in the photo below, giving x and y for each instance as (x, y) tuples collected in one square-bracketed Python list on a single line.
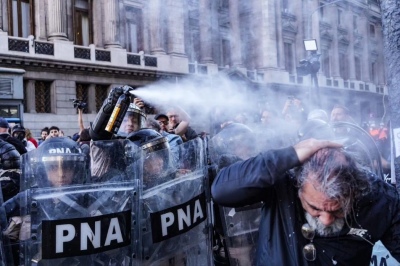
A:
[(309, 250), (163, 122)]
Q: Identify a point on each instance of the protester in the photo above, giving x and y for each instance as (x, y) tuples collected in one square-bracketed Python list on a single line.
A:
[(10, 169), (340, 113), (18, 132), (29, 137), (330, 199), (163, 120), (5, 135), (179, 124), (53, 132), (43, 134)]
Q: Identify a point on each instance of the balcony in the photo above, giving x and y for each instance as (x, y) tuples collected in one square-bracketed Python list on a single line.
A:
[(68, 52)]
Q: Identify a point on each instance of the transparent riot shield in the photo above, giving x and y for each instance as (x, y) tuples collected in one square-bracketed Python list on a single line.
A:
[(174, 226), (77, 220), (6, 257), (359, 142), (241, 229), (236, 228)]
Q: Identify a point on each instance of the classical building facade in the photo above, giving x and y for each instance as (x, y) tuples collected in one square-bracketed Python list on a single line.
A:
[(79, 49)]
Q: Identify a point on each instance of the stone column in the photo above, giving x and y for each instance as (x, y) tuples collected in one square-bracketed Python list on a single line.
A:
[(364, 26), (265, 28), (235, 40), (97, 18), (205, 31), (111, 24), (380, 62), (30, 97), (176, 37), (156, 27), (40, 21), (351, 57), (57, 20), (332, 13)]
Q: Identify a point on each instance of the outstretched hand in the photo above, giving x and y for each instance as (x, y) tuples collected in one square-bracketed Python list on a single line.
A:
[(306, 148)]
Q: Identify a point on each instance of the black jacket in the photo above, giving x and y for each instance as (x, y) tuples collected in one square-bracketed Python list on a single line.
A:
[(9, 156), (15, 142), (264, 178)]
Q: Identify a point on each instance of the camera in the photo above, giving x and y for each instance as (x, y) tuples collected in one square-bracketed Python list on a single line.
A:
[(79, 104)]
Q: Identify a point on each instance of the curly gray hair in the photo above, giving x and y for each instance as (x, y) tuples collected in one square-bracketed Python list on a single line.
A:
[(336, 174)]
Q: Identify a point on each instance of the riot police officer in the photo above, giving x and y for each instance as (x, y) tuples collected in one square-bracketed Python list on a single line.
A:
[(154, 149)]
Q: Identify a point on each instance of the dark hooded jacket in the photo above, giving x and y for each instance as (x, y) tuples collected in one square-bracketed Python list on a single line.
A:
[(265, 178)]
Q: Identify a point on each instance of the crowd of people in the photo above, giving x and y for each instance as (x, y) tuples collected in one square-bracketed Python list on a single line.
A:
[(316, 196)]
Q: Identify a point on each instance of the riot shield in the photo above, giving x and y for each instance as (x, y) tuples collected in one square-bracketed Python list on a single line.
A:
[(6, 257), (82, 221), (241, 233), (360, 143), (174, 226), (236, 227)]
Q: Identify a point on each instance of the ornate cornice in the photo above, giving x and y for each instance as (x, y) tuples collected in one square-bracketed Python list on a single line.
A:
[(47, 65)]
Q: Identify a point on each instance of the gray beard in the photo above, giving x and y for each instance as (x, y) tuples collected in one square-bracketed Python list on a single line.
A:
[(323, 230)]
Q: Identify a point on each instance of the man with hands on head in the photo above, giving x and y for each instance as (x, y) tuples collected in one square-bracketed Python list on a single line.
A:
[(327, 211)]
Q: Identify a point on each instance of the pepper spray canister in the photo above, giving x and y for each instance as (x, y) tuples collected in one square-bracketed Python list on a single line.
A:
[(119, 111)]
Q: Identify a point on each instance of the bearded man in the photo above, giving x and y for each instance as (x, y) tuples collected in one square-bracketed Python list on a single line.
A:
[(320, 207)]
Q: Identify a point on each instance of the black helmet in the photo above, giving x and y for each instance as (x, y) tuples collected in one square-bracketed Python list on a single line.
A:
[(149, 140), (18, 132), (61, 153), (153, 154), (234, 139)]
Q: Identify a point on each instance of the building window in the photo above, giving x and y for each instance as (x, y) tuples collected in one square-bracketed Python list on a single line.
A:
[(42, 97), (343, 66), (134, 30), (288, 50), (372, 31), (326, 67), (357, 66), (226, 52), (373, 72), (100, 95), (82, 28), (21, 18), (82, 94)]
